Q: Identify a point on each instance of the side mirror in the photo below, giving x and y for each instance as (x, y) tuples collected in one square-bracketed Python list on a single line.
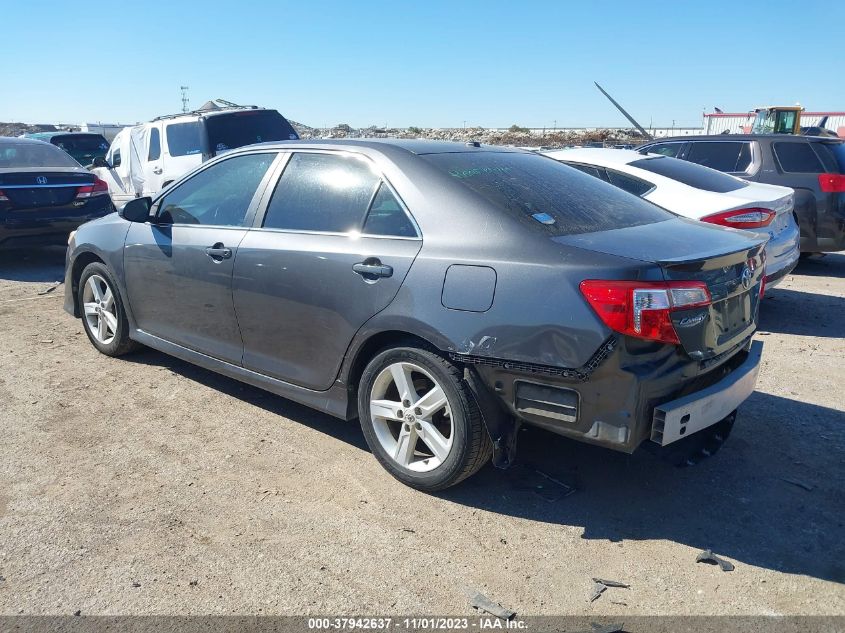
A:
[(137, 210), (100, 161)]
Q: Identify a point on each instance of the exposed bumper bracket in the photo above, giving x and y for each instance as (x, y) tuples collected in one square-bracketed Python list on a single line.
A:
[(681, 418), (502, 427)]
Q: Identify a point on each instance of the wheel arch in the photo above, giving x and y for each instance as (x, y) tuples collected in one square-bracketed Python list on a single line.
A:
[(79, 263)]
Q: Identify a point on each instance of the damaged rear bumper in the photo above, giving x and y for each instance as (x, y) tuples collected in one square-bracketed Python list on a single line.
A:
[(684, 416), (615, 401)]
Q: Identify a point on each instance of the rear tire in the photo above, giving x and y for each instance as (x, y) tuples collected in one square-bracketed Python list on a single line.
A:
[(420, 419), (103, 316)]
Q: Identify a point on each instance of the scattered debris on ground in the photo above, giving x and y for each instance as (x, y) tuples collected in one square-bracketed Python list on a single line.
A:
[(600, 585), (707, 556), (481, 602)]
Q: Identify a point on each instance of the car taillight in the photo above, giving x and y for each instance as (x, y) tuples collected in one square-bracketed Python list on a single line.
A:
[(832, 183), (642, 309), (3, 197), (99, 188), (753, 218)]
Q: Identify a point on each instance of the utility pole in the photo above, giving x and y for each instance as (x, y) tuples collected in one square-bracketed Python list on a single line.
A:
[(184, 90), (555, 126)]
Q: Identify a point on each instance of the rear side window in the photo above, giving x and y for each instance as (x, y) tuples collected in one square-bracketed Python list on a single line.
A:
[(665, 149), (183, 139), (832, 155), (386, 216), (544, 194), (155, 145), (636, 186), (690, 174), (322, 192), (730, 156), (798, 158)]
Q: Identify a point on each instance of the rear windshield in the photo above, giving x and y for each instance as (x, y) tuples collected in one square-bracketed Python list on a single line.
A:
[(236, 129), (81, 143), (33, 155), (546, 195), (184, 139), (690, 174)]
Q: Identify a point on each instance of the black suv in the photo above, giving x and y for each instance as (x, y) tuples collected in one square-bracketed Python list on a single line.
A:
[(813, 166)]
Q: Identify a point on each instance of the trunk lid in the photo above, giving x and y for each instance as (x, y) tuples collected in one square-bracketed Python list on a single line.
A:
[(38, 188), (728, 261)]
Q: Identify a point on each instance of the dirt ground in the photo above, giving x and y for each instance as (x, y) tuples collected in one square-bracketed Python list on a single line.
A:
[(148, 486)]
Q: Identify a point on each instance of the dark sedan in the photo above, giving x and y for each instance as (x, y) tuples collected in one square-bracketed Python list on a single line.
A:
[(442, 293), (45, 194)]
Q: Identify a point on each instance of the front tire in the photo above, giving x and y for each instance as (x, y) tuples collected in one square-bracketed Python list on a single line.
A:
[(103, 315), (420, 420)]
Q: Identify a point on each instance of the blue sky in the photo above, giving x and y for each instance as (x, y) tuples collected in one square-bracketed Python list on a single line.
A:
[(426, 63)]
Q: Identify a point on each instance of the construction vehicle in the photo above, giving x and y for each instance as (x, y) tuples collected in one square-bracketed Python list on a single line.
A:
[(786, 120)]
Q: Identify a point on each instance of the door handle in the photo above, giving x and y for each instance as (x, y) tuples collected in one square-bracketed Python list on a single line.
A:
[(157, 170), (218, 252), (372, 269)]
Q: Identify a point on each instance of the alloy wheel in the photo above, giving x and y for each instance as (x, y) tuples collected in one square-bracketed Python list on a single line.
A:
[(411, 416), (99, 308)]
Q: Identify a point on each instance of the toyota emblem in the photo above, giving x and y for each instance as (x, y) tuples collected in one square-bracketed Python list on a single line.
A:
[(41, 180), (746, 277)]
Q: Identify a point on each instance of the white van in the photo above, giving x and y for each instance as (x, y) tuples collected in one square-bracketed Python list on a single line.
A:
[(143, 159)]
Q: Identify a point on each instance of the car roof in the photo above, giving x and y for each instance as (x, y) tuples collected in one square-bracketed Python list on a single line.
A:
[(8, 140), (412, 146), (744, 137), (597, 156)]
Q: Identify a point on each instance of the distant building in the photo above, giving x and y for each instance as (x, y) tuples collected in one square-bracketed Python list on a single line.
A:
[(737, 123)]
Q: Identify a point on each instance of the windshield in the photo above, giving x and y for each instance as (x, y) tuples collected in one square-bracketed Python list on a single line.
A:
[(82, 143), (33, 155), (545, 194), (245, 127), (690, 174)]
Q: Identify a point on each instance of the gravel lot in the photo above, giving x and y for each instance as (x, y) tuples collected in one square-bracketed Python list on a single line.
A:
[(148, 486)]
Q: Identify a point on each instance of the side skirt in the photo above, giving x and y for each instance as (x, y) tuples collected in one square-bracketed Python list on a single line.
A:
[(332, 401)]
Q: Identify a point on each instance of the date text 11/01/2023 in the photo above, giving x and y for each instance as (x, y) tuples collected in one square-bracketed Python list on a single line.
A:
[(417, 623)]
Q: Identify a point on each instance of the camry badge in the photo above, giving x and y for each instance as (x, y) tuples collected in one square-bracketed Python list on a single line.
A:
[(746, 277), (41, 180)]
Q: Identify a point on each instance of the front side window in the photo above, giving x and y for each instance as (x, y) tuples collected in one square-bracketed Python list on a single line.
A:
[(219, 195), (665, 149), (184, 139), (154, 152), (115, 158), (729, 156), (636, 186), (798, 158), (322, 192), (544, 194), (587, 169)]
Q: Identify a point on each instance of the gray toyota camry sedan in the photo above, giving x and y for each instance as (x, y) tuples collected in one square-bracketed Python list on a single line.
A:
[(442, 293)]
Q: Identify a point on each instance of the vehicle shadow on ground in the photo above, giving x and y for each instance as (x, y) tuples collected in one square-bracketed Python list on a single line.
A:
[(349, 432), (33, 264), (789, 311), (736, 503), (829, 265)]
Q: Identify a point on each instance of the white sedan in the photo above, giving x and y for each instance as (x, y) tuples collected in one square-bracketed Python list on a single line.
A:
[(703, 194)]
